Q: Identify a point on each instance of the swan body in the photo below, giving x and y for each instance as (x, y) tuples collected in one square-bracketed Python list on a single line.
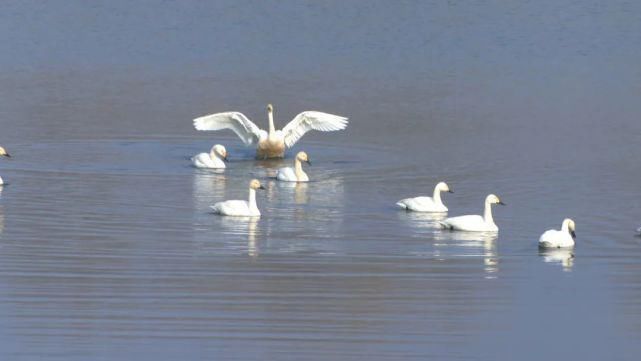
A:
[(295, 174), (432, 204), (559, 239), (3, 153), (271, 143), (240, 208), (215, 159), (475, 223)]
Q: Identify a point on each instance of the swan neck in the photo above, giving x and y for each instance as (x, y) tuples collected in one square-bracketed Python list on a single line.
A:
[(437, 196), (252, 198), (298, 169), (565, 227), (272, 128), (487, 215)]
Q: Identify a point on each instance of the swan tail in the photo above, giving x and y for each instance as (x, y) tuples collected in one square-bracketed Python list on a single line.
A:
[(401, 205)]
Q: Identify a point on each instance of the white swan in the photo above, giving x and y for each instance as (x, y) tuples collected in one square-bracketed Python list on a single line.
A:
[(427, 204), (271, 144), (295, 174), (216, 158), (240, 208), (475, 223), (3, 153), (559, 239)]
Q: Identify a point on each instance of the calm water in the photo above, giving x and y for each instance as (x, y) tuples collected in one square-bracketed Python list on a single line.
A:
[(108, 250)]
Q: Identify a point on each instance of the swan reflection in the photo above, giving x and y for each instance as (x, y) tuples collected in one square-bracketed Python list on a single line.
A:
[(470, 244), (561, 256), (422, 220), (209, 187), (299, 191), (242, 228)]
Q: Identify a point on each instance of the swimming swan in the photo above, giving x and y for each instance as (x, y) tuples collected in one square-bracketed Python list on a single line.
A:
[(3, 153), (271, 144), (240, 208), (475, 223), (427, 204), (295, 174), (559, 239), (216, 158)]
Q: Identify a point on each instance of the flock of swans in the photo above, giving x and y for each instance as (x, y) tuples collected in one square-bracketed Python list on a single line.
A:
[(273, 143)]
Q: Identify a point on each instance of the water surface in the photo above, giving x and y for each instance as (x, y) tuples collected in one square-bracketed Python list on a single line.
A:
[(108, 250)]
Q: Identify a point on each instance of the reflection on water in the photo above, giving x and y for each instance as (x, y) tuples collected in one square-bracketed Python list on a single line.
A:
[(109, 250), (421, 220), (245, 228), (209, 187), (561, 256), (474, 244), (298, 188)]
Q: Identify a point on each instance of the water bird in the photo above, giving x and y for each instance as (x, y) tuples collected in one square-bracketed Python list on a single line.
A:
[(3, 153), (296, 174), (240, 208), (271, 143), (432, 204), (559, 239), (475, 223), (215, 159)]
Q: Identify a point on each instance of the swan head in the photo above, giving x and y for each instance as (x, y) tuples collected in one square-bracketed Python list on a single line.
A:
[(443, 187), (220, 151), (4, 153), (255, 184), (302, 156), (570, 226), (270, 108), (493, 199)]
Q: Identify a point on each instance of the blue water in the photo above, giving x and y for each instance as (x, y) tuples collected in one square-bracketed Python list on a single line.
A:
[(108, 250)]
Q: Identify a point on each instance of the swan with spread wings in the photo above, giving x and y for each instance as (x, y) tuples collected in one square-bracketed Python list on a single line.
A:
[(271, 143)]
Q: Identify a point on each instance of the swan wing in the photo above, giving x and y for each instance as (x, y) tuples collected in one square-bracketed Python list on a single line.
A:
[(248, 132), (308, 120), (464, 222), (554, 238), (419, 204), (231, 208), (287, 174)]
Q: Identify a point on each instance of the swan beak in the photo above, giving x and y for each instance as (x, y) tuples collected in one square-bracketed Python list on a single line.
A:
[(261, 187), (225, 159), (308, 162), (7, 155), (501, 203), (450, 191), (573, 234)]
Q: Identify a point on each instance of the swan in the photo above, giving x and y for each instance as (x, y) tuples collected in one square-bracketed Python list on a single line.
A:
[(216, 158), (3, 153), (240, 208), (295, 174), (272, 143), (475, 223), (427, 204), (559, 239)]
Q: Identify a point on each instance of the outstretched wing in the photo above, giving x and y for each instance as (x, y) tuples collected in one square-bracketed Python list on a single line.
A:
[(306, 121), (238, 122)]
